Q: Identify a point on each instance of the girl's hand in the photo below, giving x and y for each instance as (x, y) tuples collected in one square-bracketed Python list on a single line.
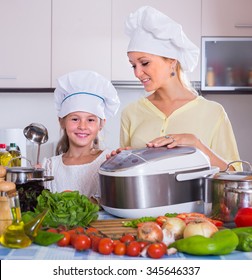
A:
[(117, 151)]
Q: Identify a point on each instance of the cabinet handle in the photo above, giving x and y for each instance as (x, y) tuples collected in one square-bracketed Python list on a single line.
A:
[(127, 84), (7, 77), (243, 25)]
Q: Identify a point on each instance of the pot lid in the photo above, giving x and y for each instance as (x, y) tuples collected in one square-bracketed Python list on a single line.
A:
[(20, 169), (234, 176)]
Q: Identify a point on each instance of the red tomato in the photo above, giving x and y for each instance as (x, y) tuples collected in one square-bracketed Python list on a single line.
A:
[(91, 230), (126, 238), (65, 241), (143, 244), (95, 242), (106, 246), (82, 242), (161, 219), (120, 248), (243, 217), (156, 250), (133, 249), (79, 229), (54, 230)]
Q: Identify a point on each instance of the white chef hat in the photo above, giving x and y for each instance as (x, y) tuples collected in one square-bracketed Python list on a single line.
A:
[(153, 32), (85, 91)]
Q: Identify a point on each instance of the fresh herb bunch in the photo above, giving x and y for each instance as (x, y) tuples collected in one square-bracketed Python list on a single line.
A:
[(66, 208)]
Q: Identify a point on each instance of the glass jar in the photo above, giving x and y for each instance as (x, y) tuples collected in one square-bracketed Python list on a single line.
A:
[(210, 77)]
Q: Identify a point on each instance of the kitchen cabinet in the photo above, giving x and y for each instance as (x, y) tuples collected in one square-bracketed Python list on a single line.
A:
[(81, 36), (177, 10), (25, 49), (226, 18)]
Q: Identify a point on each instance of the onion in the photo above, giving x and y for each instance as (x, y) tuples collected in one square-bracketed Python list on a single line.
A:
[(174, 226), (200, 227), (150, 231)]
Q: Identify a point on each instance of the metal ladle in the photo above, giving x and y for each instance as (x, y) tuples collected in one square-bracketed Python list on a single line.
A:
[(37, 133)]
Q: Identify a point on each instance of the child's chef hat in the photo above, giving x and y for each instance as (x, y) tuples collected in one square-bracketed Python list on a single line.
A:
[(85, 91), (153, 32)]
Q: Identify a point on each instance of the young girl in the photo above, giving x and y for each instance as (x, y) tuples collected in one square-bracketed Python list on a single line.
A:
[(83, 100)]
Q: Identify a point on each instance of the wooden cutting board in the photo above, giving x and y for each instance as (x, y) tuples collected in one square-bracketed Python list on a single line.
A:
[(113, 228)]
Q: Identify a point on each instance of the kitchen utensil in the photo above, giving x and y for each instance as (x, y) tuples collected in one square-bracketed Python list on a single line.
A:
[(36, 132), (23, 175), (230, 191), (153, 181)]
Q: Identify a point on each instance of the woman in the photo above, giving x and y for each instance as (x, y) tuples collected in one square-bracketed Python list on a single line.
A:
[(173, 114), (84, 99)]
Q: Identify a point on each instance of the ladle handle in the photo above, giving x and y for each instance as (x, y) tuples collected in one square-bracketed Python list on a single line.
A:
[(38, 153)]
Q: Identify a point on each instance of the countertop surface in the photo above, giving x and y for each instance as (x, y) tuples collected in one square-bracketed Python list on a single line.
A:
[(54, 252)]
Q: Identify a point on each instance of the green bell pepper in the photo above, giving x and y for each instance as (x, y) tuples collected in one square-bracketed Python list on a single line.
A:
[(222, 242), (245, 238)]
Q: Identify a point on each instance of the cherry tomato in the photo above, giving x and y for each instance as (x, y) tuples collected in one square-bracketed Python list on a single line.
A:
[(243, 217), (54, 230), (126, 238), (91, 230), (79, 229), (156, 250), (95, 242), (143, 244), (106, 246), (161, 219), (82, 242), (120, 248), (133, 249), (65, 241)]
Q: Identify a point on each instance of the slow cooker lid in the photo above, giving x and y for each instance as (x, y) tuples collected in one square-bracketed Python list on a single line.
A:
[(135, 157)]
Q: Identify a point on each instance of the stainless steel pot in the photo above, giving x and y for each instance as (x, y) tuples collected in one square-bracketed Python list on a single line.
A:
[(23, 175), (229, 191)]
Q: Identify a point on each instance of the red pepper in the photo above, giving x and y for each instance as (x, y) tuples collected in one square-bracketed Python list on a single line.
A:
[(243, 217)]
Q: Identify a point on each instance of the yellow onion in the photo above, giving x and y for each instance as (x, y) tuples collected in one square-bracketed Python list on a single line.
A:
[(175, 226), (150, 231), (200, 227)]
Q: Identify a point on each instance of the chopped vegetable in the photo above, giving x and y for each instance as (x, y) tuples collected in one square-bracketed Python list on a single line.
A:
[(66, 208), (135, 222)]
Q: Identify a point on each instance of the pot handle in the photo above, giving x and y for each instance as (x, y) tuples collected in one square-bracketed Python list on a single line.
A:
[(17, 158), (241, 161), (197, 175)]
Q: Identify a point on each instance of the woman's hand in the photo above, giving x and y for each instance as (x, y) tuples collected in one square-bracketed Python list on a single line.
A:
[(173, 140)]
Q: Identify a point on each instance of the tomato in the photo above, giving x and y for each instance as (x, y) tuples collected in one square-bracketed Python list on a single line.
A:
[(54, 230), (243, 217), (126, 238), (92, 230), (143, 244), (133, 249), (79, 229), (161, 219), (120, 248), (156, 250), (82, 242), (65, 241), (106, 246), (95, 242), (217, 223)]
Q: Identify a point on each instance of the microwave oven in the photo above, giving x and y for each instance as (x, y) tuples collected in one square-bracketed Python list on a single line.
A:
[(226, 63)]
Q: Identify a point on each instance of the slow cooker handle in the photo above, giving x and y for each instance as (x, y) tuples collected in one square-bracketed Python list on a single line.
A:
[(197, 175)]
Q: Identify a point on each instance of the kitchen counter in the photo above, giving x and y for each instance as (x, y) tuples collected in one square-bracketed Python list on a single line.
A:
[(54, 252)]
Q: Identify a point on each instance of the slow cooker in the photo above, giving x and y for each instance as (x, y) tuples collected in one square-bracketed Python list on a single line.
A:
[(155, 181)]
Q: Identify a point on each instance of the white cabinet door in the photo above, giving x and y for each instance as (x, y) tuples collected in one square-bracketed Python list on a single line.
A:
[(227, 18), (25, 48), (81, 37), (187, 13)]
